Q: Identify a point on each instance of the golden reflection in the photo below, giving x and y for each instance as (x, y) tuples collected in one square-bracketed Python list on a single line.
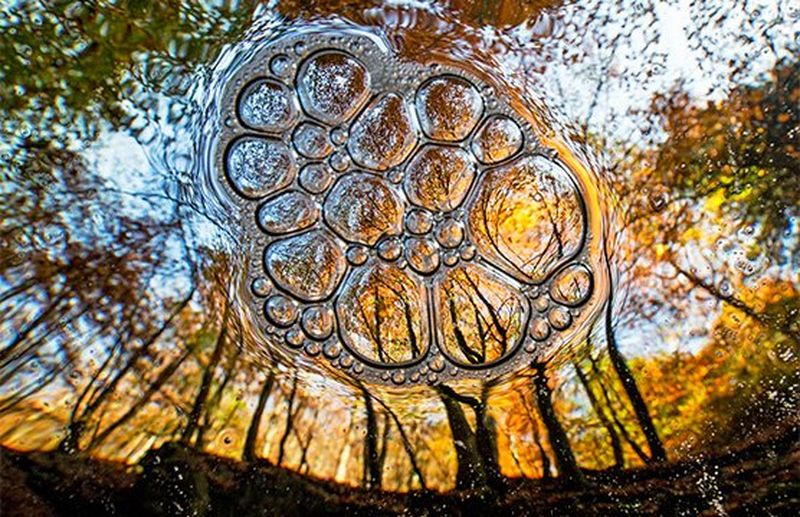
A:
[(383, 314), (527, 217), (480, 316)]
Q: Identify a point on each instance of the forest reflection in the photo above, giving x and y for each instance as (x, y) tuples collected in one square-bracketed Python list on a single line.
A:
[(121, 327)]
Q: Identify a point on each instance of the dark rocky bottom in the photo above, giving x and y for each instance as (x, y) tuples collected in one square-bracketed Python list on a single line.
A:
[(761, 478)]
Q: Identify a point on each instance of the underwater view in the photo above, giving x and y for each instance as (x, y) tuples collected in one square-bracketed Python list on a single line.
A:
[(512, 257)]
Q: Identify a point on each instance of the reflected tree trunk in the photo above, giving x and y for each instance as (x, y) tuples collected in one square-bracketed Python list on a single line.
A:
[(372, 466), (486, 437), (565, 459), (616, 443), (201, 399), (471, 471), (152, 389), (248, 453), (78, 422), (230, 371), (289, 422), (657, 452), (620, 426), (404, 439), (524, 398)]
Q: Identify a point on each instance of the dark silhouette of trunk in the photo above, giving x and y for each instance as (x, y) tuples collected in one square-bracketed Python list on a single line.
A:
[(77, 426), (657, 452), (471, 471), (536, 436), (545, 458), (230, 371), (289, 422), (404, 439), (565, 459), (372, 468), (152, 389), (486, 438), (620, 426), (255, 422), (616, 443), (193, 421), (384, 448)]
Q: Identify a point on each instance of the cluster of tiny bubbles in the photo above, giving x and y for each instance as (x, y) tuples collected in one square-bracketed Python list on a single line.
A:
[(363, 185)]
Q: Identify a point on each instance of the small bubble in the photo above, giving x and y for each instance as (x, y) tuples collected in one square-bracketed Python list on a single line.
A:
[(280, 65), (261, 287)]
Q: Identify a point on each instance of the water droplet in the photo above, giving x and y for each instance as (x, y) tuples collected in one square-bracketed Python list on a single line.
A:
[(281, 311), (481, 316), (418, 222), (497, 139), (311, 140), (422, 255), (559, 318), (572, 285), (340, 161), (448, 107), (438, 177), (541, 193), (384, 135), (449, 233), (261, 287), (280, 65), (257, 166), (541, 303), (267, 105), (333, 86), (287, 212), (390, 248), (332, 349), (339, 135), (357, 255), (382, 314), (725, 288), (294, 338), (316, 177), (362, 208), (539, 329), (317, 322), (450, 258), (468, 252), (309, 266)]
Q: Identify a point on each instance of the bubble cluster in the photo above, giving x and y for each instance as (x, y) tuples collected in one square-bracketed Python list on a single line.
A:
[(408, 234)]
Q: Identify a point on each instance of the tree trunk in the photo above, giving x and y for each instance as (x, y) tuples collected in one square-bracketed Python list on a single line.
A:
[(565, 459), (372, 469), (289, 422), (616, 443), (657, 452), (193, 421), (486, 438), (248, 453), (471, 470)]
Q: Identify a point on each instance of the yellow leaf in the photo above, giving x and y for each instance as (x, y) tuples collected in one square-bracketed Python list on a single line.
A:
[(716, 199)]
